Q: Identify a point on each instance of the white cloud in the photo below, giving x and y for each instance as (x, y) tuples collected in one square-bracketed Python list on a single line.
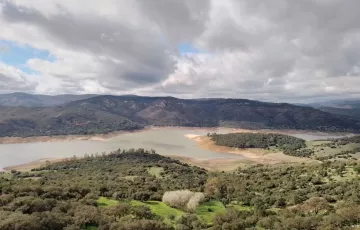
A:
[(14, 79), (283, 50)]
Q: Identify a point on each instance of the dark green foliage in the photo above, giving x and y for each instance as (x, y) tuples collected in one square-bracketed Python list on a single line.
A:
[(190, 222), (346, 140), (66, 194), (258, 140), (106, 175), (278, 197), (305, 200), (103, 114), (288, 144)]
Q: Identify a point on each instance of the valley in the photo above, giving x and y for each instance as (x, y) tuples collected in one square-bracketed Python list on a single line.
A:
[(124, 163)]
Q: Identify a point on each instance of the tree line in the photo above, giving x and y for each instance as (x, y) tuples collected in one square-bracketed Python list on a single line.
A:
[(288, 144)]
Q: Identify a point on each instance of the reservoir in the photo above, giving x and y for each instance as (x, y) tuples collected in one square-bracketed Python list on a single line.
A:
[(166, 141)]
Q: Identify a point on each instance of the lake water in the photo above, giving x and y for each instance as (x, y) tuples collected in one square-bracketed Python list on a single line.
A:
[(166, 141)]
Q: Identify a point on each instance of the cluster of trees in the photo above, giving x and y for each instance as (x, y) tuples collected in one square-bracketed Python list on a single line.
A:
[(321, 217), (183, 199), (288, 144), (345, 154), (63, 195), (73, 215), (346, 140), (304, 197)]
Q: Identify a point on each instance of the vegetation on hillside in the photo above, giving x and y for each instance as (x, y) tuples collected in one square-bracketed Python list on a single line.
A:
[(346, 140), (111, 113), (288, 144), (341, 148), (117, 191)]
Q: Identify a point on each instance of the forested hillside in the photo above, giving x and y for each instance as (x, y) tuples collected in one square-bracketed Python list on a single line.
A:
[(110, 113), (138, 189)]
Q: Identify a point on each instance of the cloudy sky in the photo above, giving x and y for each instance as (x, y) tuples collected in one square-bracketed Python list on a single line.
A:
[(280, 50)]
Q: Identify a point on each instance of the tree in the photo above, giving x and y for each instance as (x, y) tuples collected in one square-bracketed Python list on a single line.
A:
[(315, 204)]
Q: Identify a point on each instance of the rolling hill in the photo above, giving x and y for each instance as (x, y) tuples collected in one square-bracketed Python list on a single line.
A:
[(101, 114)]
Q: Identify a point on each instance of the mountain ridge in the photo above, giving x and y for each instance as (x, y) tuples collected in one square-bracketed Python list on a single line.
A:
[(106, 113), (38, 100)]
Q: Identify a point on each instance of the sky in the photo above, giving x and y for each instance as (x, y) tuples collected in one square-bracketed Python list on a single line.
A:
[(282, 50)]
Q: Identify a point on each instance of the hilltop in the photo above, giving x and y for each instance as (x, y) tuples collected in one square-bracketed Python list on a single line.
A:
[(36, 100)]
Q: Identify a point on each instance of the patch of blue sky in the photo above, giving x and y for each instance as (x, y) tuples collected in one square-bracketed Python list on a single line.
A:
[(186, 48), (17, 55)]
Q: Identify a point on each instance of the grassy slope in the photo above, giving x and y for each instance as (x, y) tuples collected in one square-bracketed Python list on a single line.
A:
[(160, 209), (320, 151), (156, 207), (205, 211), (104, 202)]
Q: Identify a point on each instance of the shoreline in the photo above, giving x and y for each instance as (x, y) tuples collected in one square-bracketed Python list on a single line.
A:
[(64, 138), (256, 156), (250, 156), (105, 136)]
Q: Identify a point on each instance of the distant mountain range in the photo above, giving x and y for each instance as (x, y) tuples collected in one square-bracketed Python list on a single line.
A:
[(343, 107), (101, 114), (35, 100)]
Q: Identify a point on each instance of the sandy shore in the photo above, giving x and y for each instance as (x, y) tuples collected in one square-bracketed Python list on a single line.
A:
[(258, 156)]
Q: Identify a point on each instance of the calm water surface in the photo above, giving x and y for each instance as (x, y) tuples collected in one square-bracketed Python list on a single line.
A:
[(166, 141)]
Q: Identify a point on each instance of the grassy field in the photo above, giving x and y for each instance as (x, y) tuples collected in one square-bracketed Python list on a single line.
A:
[(208, 210), (104, 202), (161, 209), (205, 211), (157, 207)]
